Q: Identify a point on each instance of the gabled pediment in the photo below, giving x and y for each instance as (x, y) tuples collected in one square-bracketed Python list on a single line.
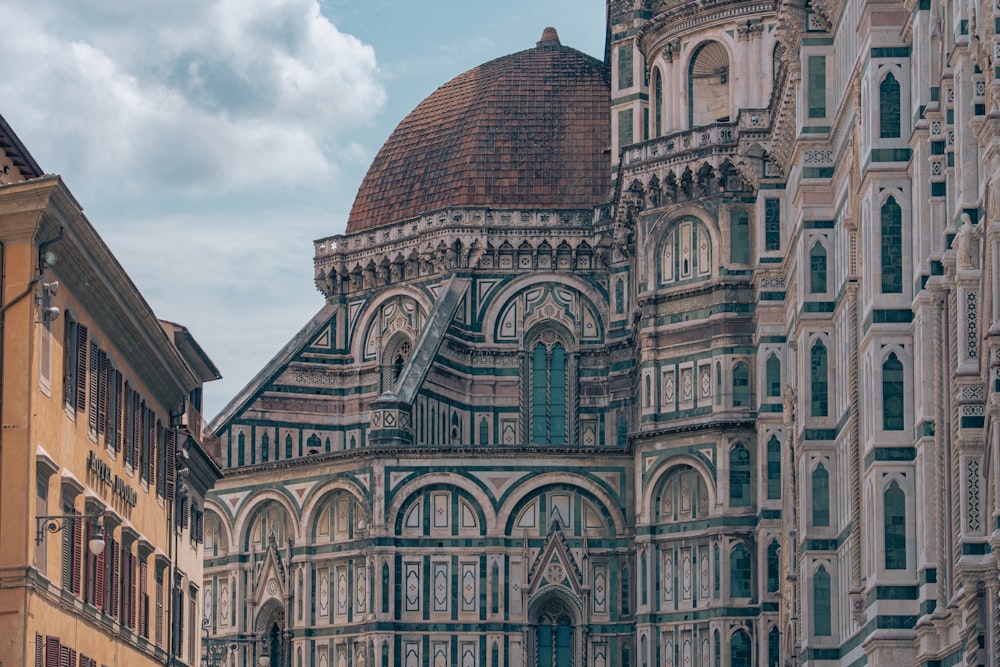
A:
[(555, 565), (271, 579)]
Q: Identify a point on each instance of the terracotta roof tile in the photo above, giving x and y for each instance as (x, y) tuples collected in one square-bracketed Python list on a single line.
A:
[(525, 130)]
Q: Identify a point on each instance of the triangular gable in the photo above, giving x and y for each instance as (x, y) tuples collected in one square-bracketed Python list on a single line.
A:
[(271, 580), (555, 565), (274, 368)]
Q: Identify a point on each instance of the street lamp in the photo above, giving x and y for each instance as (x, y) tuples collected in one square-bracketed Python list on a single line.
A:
[(56, 522)]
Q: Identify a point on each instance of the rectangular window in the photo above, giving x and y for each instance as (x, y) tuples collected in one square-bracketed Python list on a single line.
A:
[(739, 238), (625, 61), (624, 127), (772, 225), (816, 71)]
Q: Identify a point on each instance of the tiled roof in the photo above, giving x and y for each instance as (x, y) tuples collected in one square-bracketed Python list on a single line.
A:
[(530, 129)]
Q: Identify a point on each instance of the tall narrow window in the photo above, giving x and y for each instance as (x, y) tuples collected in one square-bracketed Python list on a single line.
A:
[(821, 603), (773, 373), (739, 476), (740, 575), (741, 385), (895, 527), (622, 427), (624, 127), (619, 296), (625, 60), (889, 108), (288, 446), (740, 654), (739, 237), (772, 225), (773, 468), (819, 381), (657, 103), (773, 647), (773, 567), (816, 84), (820, 496), (892, 247), (817, 269), (548, 395), (626, 592), (265, 448), (892, 394), (484, 432), (385, 588), (241, 449)]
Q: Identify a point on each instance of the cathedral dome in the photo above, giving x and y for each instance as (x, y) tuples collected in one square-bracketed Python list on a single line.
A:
[(528, 130)]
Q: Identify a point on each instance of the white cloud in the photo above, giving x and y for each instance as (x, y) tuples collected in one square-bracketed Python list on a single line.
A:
[(194, 96)]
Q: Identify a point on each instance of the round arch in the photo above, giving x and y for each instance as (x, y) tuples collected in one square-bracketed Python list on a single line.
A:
[(521, 492), (708, 84), (597, 300), (317, 496), (401, 497), (659, 475), (370, 311), (255, 502), (657, 236)]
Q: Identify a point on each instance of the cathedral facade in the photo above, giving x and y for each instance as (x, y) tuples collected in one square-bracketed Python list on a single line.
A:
[(685, 357)]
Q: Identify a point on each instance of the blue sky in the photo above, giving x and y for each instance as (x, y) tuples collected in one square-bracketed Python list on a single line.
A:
[(211, 141)]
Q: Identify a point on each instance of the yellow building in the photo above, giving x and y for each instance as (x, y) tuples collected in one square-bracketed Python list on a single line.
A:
[(101, 478)]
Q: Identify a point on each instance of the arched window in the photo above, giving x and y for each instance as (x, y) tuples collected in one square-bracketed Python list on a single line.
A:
[(889, 108), (494, 655), (739, 476), (622, 435), (649, 392), (892, 394), (643, 579), (241, 442), (818, 381), (741, 385), (548, 394), (288, 446), (820, 496), (708, 85), (817, 269), (740, 573), (740, 654), (619, 296), (716, 577), (773, 567), (265, 448), (821, 603), (773, 468), (484, 432), (773, 647), (773, 373), (554, 637), (657, 103), (894, 500), (314, 444), (892, 247)]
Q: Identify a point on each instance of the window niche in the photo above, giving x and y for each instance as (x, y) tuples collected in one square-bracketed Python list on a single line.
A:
[(550, 382)]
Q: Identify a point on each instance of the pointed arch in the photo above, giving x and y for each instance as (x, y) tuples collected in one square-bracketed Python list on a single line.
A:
[(892, 394), (819, 384), (889, 108)]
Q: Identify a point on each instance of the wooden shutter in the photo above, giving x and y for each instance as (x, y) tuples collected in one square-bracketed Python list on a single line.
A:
[(143, 600), (92, 383), (69, 361), (171, 463), (199, 526), (66, 572), (127, 426), (130, 563), (116, 578), (159, 609), (117, 411), (102, 392), (52, 651), (100, 569), (39, 651), (81, 368), (136, 428), (151, 424), (77, 529), (185, 512)]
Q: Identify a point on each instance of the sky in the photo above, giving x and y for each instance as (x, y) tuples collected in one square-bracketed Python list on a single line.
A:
[(211, 141)]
